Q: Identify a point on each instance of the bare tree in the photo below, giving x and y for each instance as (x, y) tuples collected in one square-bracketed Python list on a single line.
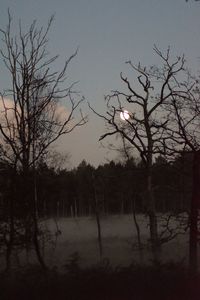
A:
[(40, 108), (183, 136), (142, 126)]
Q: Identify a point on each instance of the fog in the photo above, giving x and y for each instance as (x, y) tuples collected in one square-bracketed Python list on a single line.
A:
[(76, 239)]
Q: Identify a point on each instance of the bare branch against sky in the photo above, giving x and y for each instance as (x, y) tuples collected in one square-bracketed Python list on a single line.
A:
[(109, 33)]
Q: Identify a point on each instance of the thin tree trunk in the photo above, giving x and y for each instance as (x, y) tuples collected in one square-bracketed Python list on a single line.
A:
[(99, 234), (36, 229), (137, 229), (98, 222), (152, 218), (136, 224)]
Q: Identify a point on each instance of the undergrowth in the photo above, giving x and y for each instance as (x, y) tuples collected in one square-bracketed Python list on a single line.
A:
[(101, 282)]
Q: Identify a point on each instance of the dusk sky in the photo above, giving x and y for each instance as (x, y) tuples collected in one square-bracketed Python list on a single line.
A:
[(108, 33)]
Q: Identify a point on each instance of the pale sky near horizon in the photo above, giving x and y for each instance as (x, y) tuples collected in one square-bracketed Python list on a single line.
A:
[(108, 33)]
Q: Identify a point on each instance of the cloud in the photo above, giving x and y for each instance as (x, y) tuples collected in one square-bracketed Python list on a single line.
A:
[(6, 110), (62, 113)]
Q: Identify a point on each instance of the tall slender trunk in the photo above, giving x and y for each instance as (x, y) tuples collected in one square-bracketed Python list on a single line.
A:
[(152, 217), (99, 233), (36, 241), (136, 224), (195, 203), (138, 230), (98, 221), (36, 229)]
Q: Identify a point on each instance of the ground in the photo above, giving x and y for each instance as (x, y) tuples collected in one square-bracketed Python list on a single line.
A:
[(76, 271)]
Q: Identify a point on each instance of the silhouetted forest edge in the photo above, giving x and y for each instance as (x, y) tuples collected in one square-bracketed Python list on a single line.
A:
[(63, 192), (102, 282)]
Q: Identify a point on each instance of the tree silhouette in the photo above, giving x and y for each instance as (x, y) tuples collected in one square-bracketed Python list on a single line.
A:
[(182, 136), (35, 116), (144, 129)]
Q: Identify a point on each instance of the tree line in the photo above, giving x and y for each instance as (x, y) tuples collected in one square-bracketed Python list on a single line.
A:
[(111, 188), (116, 185)]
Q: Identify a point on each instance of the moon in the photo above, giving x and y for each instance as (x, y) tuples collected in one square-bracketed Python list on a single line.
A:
[(124, 115)]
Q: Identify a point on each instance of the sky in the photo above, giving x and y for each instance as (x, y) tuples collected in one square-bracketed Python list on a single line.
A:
[(107, 33)]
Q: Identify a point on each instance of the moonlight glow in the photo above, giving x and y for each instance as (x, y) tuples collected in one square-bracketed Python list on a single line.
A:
[(124, 115)]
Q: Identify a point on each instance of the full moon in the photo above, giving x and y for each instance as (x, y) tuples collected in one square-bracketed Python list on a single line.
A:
[(124, 115)]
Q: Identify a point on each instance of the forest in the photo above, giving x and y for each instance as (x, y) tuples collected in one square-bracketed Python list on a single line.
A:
[(155, 116), (117, 186)]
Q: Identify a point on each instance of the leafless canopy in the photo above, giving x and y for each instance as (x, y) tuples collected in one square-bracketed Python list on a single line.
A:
[(38, 108), (183, 130), (145, 98)]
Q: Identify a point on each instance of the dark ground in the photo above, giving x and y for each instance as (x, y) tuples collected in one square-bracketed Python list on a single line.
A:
[(101, 282)]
